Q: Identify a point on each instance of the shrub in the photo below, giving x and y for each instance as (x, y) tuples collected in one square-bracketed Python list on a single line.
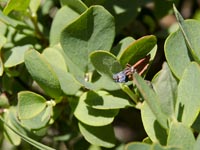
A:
[(59, 88)]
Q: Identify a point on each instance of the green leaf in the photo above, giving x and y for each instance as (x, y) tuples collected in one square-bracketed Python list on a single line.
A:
[(180, 136), (183, 44), (42, 73), (191, 37), (38, 121), (15, 56), (188, 104), (152, 100), (59, 23), (165, 86), (137, 146), (100, 136), (20, 5), (151, 125), (122, 45), (93, 30), (103, 100), (9, 134), (105, 63), (76, 5), (137, 50), (197, 143), (22, 135), (91, 116), (175, 49), (67, 82), (30, 104)]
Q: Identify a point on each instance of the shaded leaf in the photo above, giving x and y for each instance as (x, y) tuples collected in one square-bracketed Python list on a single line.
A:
[(16, 128), (93, 30), (30, 104), (101, 136), (165, 86), (137, 50), (59, 23), (42, 73), (180, 136), (197, 143), (38, 121), (91, 116), (188, 104), (105, 63), (152, 100), (151, 125), (122, 45), (189, 34), (67, 82), (15, 56), (11, 136), (103, 100), (177, 47)]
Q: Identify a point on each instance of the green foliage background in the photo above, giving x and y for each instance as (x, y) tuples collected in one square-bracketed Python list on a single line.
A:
[(57, 64)]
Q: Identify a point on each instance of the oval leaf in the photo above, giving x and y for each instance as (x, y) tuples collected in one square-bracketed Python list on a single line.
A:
[(122, 45), (188, 104), (197, 143), (93, 30), (183, 44), (67, 82), (165, 86), (191, 38), (30, 104), (11, 136), (105, 63), (59, 23), (15, 56), (42, 73), (39, 120), (153, 129), (176, 49), (137, 50), (100, 136), (178, 130), (91, 116), (152, 100), (103, 100)]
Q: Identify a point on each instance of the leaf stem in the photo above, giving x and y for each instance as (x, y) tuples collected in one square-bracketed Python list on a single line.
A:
[(127, 90), (38, 33)]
